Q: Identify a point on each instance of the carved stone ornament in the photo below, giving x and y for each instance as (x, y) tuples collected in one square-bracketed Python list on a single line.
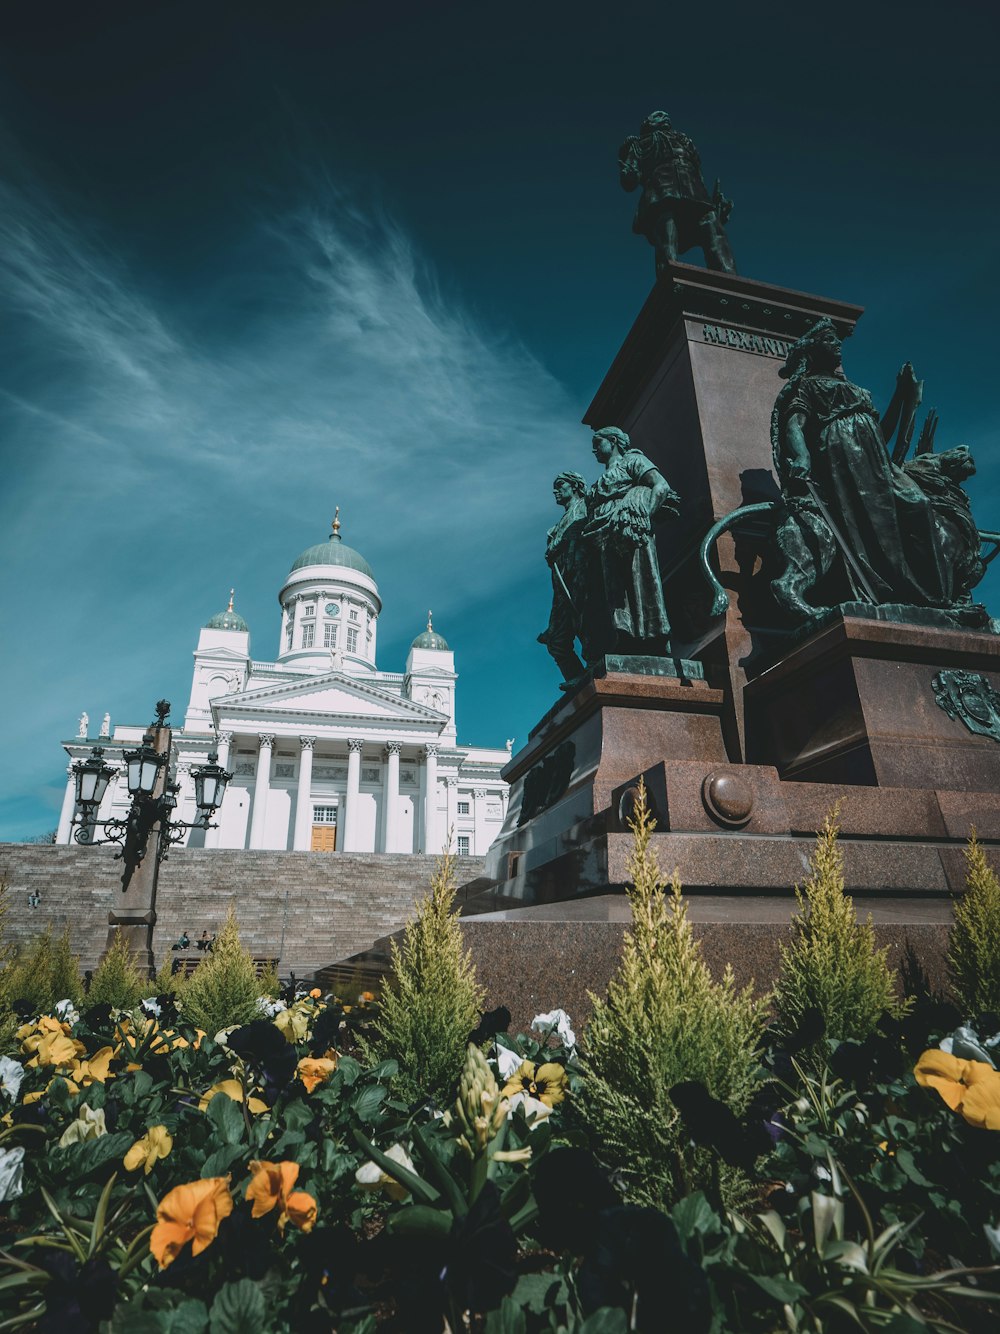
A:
[(969, 697), (546, 782)]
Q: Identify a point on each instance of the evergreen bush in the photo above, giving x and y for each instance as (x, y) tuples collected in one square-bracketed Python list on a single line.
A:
[(433, 1001), (65, 981), (223, 990), (833, 962), (27, 975), (117, 979), (664, 1020), (269, 983), (974, 939)]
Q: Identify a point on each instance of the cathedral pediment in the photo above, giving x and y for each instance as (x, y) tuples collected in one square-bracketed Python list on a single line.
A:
[(334, 693)]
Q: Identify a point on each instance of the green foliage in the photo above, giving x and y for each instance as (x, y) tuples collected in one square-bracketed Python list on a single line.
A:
[(269, 983), (974, 940), (28, 975), (833, 962), (664, 1020), (65, 980), (165, 982), (117, 979), (223, 990), (435, 1001)]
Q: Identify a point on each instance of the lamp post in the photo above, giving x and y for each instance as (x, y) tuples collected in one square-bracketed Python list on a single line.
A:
[(151, 817)]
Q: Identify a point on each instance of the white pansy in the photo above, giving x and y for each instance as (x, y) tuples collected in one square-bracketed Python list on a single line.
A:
[(88, 1125), (370, 1176), (11, 1172), (946, 1044), (992, 1236), (559, 1022), (535, 1110), (507, 1061), (66, 1011), (11, 1074), (269, 1008), (151, 1006)]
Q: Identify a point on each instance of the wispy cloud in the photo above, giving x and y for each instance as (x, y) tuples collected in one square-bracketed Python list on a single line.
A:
[(323, 364)]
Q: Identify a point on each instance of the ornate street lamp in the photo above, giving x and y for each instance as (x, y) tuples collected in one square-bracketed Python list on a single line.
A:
[(92, 779), (145, 770), (210, 782)]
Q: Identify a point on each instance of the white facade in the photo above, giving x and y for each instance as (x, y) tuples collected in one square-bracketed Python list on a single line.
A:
[(327, 752)]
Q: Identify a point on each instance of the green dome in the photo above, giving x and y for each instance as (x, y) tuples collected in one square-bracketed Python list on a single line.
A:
[(430, 638), (228, 619), (334, 551)]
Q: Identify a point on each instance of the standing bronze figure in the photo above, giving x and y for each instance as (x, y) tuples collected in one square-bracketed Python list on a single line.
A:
[(623, 504), (572, 587), (675, 211)]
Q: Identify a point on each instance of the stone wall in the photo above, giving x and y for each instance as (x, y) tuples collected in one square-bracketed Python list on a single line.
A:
[(308, 909)]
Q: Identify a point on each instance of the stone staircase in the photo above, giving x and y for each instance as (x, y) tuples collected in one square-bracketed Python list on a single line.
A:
[(308, 909)]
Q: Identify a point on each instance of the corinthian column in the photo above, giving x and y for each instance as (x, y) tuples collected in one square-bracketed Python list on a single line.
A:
[(390, 823), (68, 806), (212, 835), (354, 747), (432, 839), (302, 838), (261, 787)]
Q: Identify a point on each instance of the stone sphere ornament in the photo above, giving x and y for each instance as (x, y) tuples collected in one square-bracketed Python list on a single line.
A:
[(728, 797)]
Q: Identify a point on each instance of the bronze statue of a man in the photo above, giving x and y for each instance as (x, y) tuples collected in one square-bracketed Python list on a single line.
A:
[(571, 589), (675, 210)]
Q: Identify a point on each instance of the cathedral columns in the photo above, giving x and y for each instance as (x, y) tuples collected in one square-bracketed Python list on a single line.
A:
[(391, 807), (225, 740), (68, 803), (302, 837), (432, 839), (354, 747), (451, 790), (262, 785), (480, 842)]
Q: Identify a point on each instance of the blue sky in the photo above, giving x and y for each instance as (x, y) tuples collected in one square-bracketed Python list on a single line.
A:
[(257, 261)]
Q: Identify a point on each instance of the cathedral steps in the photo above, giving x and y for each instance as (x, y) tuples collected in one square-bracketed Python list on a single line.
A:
[(310, 910)]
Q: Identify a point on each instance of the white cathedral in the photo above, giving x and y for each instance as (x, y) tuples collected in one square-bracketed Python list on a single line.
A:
[(327, 753)]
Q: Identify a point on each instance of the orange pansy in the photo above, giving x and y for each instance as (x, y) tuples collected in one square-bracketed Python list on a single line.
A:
[(192, 1213), (300, 1211), (270, 1185), (313, 1070)]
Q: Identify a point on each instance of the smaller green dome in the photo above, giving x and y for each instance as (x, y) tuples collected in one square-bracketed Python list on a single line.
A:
[(430, 638), (228, 619)]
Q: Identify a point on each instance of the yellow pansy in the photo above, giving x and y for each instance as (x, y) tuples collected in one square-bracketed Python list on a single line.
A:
[(156, 1143), (547, 1083), (232, 1088)]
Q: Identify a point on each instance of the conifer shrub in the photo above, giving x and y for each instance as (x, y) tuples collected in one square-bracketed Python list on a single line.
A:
[(65, 981), (269, 983), (664, 1020), (117, 979), (166, 981), (27, 975), (833, 962), (223, 990), (974, 939), (432, 1001)]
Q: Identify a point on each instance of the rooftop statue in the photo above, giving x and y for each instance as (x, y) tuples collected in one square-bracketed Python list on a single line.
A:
[(606, 587), (675, 211)]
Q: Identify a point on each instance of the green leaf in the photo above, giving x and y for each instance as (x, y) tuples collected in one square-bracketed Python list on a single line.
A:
[(368, 1101), (217, 1164), (298, 1115), (239, 1308), (904, 1160), (539, 1293), (608, 1320), (694, 1215), (348, 1069), (508, 1318), (80, 1159), (384, 1070), (421, 1220), (191, 1317), (781, 1289), (227, 1118)]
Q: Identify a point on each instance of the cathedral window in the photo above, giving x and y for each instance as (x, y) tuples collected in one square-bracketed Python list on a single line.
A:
[(354, 615), (289, 630), (324, 815), (463, 808), (329, 635), (308, 636), (352, 639), (463, 845)]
